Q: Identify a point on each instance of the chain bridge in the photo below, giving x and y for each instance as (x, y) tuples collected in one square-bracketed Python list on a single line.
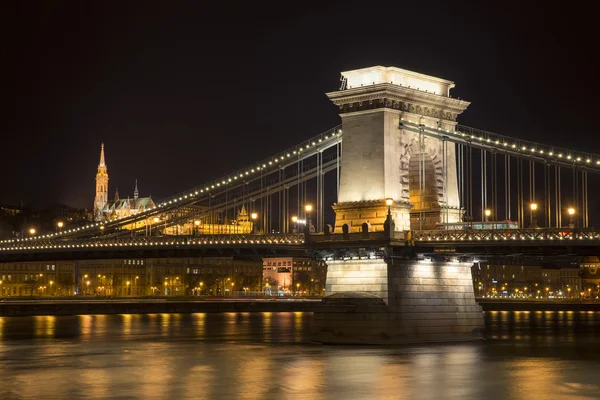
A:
[(399, 199)]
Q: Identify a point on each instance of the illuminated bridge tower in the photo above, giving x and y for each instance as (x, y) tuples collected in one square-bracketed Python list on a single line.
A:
[(380, 160), (395, 297), (101, 187)]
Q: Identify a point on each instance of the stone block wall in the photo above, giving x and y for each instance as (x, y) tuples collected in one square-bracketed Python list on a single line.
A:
[(397, 301), (370, 276)]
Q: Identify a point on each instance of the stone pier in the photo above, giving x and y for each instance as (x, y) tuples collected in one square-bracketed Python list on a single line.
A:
[(375, 301)]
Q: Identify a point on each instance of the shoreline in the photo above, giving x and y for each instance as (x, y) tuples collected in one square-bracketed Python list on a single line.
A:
[(37, 307), (70, 306)]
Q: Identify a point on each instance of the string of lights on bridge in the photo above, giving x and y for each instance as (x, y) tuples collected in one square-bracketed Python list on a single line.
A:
[(501, 142), (271, 162), (285, 240), (498, 141)]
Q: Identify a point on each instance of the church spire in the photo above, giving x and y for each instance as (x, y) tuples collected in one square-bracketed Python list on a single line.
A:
[(117, 195), (135, 191), (102, 156), (101, 198)]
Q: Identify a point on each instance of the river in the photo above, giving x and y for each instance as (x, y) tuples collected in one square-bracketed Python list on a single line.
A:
[(526, 355)]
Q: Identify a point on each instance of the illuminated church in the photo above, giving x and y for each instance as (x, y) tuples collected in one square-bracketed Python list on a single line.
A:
[(105, 210)]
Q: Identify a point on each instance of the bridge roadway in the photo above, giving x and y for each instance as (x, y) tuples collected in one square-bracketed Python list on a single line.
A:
[(460, 243)]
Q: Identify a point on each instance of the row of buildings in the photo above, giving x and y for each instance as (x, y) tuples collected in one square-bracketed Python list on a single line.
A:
[(518, 279), (199, 276)]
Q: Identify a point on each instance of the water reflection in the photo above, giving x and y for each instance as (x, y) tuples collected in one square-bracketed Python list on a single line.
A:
[(533, 355)]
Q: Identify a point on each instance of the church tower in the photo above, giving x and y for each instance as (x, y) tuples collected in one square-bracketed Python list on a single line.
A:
[(101, 187)]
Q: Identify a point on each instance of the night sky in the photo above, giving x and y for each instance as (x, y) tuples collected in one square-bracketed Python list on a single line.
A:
[(181, 95)]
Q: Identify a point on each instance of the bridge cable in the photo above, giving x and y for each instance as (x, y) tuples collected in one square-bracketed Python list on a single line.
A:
[(558, 196)]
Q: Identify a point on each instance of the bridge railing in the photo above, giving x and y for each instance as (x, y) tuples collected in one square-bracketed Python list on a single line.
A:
[(504, 235), (274, 239)]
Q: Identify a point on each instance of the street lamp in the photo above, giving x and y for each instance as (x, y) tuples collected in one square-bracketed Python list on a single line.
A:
[(487, 213), (128, 288), (388, 203), (156, 220), (388, 225), (32, 231), (295, 221), (197, 225), (308, 209), (571, 212), (254, 217), (533, 222), (60, 224), (51, 282)]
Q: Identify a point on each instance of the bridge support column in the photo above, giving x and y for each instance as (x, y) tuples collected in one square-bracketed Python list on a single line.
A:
[(377, 301)]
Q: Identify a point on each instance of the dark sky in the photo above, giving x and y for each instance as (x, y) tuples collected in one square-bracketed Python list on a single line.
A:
[(182, 94)]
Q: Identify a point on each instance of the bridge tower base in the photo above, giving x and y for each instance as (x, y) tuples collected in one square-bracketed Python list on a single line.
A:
[(397, 301)]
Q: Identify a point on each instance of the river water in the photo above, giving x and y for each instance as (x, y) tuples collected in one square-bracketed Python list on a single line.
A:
[(527, 355)]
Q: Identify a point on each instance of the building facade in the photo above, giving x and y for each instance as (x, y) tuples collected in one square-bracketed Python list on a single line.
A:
[(283, 276), (508, 278), (191, 276), (590, 276)]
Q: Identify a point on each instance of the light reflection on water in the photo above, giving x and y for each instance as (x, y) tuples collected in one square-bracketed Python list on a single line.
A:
[(528, 355)]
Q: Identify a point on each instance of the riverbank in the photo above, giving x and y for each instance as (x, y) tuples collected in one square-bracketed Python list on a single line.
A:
[(537, 305), (22, 307), (70, 306)]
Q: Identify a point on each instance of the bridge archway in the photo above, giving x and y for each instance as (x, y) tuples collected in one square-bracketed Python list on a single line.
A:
[(422, 175)]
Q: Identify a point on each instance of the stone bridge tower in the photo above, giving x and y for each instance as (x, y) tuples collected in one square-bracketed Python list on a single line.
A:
[(381, 160)]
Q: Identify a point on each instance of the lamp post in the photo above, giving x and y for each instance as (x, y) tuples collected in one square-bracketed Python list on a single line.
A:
[(60, 225), (389, 225), (196, 227), (308, 209), (487, 213), (295, 221), (254, 217), (156, 220), (533, 222), (32, 231), (571, 212)]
